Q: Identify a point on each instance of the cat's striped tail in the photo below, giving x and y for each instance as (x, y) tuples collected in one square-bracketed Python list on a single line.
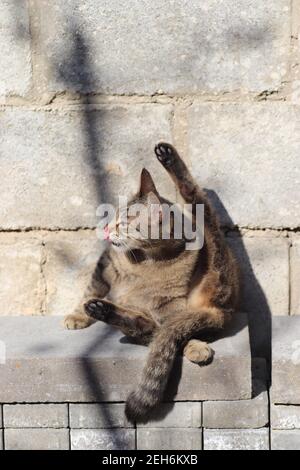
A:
[(155, 375)]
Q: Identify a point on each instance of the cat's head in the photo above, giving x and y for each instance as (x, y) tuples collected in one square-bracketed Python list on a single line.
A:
[(146, 223)]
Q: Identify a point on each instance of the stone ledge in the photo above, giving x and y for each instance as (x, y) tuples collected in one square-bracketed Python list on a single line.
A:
[(96, 364), (286, 360)]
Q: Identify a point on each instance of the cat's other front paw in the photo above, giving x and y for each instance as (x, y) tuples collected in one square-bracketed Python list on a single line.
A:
[(97, 309), (77, 321), (165, 153)]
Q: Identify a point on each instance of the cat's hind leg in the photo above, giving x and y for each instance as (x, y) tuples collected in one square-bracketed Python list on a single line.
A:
[(198, 352)]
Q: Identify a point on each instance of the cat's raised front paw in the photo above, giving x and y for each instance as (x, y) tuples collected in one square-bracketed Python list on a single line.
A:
[(165, 153), (97, 309)]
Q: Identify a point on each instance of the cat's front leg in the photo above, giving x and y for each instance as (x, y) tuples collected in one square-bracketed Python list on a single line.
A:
[(98, 287), (131, 323)]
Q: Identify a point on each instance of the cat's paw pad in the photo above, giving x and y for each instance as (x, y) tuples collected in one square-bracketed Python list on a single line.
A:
[(165, 153), (97, 309), (77, 322), (198, 352)]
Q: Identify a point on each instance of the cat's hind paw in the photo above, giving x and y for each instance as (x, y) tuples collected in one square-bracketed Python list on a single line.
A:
[(165, 153), (198, 352)]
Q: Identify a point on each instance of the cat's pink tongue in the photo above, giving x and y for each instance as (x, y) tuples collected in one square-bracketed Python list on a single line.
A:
[(106, 233)]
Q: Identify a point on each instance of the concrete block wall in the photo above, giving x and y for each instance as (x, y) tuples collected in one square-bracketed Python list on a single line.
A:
[(86, 91)]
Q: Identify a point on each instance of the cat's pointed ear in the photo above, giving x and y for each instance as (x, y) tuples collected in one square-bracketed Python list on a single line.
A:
[(147, 184)]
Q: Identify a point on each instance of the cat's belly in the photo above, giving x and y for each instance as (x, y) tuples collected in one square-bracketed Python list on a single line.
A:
[(155, 300)]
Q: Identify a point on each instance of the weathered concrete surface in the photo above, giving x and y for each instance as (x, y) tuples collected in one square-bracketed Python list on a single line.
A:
[(102, 439), (1, 439), (35, 416), (286, 360), (236, 439), (65, 163), (15, 57), (245, 153), (264, 265), (94, 365), (295, 278), (171, 439), (98, 416), (36, 439), (241, 414), (285, 417), (175, 415), (22, 285), (71, 258), (285, 440), (185, 47)]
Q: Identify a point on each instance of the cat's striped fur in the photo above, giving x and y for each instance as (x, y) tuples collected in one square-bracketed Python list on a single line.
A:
[(161, 294)]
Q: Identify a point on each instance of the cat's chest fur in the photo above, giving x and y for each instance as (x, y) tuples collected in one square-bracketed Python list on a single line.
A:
[(150, 286)]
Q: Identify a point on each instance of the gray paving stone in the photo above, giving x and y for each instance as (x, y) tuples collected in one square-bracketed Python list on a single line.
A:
[(15, 57), (98, 415), (94, 365), (185, 47), (175, 415), (295, 278), (237, 414), (285, 440), (286, 360), (35, 416), (69, 161), (36, 439), (285, 417), (236, 439), (169, 439), (22, 286), (102, 439), (245, 153)]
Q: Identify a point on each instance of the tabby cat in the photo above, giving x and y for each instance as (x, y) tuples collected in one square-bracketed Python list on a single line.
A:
[(160, 293)]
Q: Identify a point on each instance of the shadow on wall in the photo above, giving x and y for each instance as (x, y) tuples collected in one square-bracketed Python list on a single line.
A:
[(76, 73), (253, 299)]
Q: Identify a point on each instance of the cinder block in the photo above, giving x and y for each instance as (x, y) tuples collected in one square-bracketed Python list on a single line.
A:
[(286, 360), (69, 161), (71, 259), (175, 415), (180, 49), (236, 439), (15, 57), (295, 278), (237, 414), (22, 286), (245, 153), (98, 415), (169, 439), (36, 439), (94, 365), (36, 416), (1, 439), (285, 440), (102, 439), (285, 417)]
